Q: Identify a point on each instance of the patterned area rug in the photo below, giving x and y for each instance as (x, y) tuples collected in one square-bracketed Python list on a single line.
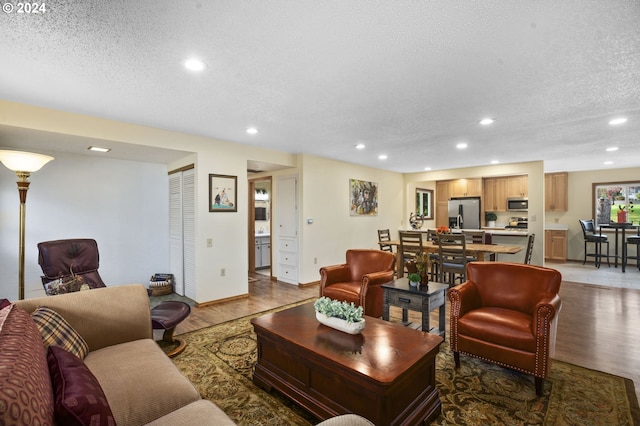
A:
[(219, 361)]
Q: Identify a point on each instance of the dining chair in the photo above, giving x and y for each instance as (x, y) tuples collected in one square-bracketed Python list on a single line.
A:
[(434, 272), (590, 236), (411, 245), (527, 256), (478, 237), (384, 236), (452, 249), (632, 240)]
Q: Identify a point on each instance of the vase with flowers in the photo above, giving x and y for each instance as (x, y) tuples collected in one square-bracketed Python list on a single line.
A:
[(623, 213)]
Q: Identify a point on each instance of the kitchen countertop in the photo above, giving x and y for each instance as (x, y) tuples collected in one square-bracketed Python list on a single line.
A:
[(263, 234), (492, 231)]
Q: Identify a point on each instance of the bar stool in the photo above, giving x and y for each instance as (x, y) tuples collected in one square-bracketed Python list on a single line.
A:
[(632, 240), (588, 231)]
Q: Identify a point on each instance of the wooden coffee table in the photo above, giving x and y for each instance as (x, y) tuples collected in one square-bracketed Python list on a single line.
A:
[(386, 373)]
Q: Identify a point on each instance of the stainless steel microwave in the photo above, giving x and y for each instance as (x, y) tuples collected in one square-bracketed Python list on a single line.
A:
[(517, 204)]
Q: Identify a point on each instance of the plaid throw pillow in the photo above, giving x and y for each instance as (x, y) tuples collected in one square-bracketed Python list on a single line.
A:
[(56, 331)]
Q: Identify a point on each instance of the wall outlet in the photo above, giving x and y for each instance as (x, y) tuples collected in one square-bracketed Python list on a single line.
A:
[(533, 218), (223, 272), (315, 260), (209, 242)]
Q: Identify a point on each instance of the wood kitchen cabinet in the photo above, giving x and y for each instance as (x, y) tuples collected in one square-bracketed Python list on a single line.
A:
[(556, 192), (465, 187), (494, 198), (517, 186), (447, 189), (442, 203), (555, 245)]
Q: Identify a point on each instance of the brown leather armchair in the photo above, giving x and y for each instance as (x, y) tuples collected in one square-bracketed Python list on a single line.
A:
[(359, 279), (507, 313)]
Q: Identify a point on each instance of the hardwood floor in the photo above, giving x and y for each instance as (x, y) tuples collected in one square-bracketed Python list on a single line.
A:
[(599, 326)]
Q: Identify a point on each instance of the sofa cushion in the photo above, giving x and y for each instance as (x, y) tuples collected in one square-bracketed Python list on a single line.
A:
[(25, 387), (78, 397), (202, 412), (56, 331), (141, 383)]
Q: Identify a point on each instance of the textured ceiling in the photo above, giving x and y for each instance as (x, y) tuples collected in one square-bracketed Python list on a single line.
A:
[(409, 79)]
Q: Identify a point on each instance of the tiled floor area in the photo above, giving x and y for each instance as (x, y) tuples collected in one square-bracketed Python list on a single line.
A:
[(604, 276)]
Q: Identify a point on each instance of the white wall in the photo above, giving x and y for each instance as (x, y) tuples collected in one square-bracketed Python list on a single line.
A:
[(227, 230), (325, 199), (123, 205)]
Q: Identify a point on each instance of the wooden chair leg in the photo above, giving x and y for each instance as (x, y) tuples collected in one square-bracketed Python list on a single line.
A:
[(456, 358)]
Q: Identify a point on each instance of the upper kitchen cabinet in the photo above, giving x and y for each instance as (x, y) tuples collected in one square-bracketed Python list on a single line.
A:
[(556, 192), (465, 187), (495, 194), (517, 186), (442, 203)]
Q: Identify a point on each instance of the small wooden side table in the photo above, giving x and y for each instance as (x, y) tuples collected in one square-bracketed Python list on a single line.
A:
[(422, 299)]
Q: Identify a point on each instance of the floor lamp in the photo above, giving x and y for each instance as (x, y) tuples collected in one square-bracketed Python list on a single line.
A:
[(23, 163)]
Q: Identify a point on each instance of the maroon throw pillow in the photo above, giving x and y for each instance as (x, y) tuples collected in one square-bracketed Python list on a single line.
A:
[(78, 397), (4, 303)]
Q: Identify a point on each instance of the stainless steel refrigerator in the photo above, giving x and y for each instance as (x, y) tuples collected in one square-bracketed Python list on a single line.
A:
[(464, 213)]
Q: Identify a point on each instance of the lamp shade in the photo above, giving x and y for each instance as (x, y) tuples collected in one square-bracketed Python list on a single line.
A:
[(19, 161)]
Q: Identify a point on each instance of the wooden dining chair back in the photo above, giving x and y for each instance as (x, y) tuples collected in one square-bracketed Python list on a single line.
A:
[(452, 250), (527, 255), (384, 236), (411, 245), (475, 237), (434, 258)]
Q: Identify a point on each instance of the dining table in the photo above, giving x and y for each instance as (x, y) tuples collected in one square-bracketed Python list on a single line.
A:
[(479, 251), (619, 226)]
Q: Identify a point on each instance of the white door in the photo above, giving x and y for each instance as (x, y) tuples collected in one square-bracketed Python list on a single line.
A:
[(182, 231)]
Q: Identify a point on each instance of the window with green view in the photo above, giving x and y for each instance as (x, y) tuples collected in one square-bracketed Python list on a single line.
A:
[(610, 198)]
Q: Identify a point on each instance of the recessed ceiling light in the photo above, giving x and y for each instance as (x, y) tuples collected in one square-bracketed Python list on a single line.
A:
[(360, 146), (613, 148), (252, 130), (194, 64), (617, 121), (426, 169), (98, 149), (382, 157), (487, 121), (608, 163), (461, 145), (495, 162)]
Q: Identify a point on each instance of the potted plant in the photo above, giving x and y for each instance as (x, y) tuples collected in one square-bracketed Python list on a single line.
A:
[(490, 218), (414, 279), (343, 316)]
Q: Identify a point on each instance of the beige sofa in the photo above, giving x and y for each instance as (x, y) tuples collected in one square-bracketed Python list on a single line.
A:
[(141, 384)]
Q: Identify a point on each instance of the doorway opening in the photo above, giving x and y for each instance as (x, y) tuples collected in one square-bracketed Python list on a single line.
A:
[(260, 225)]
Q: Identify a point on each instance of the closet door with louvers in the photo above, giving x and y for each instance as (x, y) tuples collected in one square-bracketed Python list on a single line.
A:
[(182, 231)]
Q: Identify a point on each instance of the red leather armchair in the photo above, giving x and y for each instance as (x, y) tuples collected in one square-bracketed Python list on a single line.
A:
[(507, 313), (359, 279)]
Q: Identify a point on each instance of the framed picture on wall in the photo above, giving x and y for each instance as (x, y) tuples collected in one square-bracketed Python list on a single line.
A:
[(363, 198), (223, 193)]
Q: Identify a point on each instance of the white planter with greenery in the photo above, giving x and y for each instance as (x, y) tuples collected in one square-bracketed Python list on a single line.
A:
[(342, 316)]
